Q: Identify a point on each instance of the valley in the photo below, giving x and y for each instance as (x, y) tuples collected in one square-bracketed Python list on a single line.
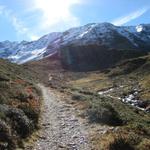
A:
[(87, 88), (99, 93)]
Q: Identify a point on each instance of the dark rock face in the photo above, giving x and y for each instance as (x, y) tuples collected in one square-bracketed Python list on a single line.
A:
[(94, 57)]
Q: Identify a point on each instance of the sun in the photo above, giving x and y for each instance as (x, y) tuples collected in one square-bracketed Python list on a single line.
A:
[(54, 11)]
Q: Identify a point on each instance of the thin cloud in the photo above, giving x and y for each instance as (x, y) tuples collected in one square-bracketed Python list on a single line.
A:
[(1, 9), (49, 16), (21, 29), (56, 12), (129, 17), (18, 25)]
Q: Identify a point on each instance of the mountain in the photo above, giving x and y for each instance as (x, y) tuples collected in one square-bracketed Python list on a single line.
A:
[(26, 51), (103, 35)]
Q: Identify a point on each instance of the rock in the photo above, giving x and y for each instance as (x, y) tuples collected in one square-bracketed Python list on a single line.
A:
[(147, 109), (46, 124), (74, 119), (143, 104), (61, 146), (42, 137), (71, 144), (74, 136)]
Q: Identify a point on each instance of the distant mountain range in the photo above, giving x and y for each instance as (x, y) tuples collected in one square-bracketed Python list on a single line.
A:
[(103, 35)]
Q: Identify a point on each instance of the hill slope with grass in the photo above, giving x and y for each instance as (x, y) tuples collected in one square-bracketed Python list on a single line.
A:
[(103, 93), (99, 95), (19, 105)]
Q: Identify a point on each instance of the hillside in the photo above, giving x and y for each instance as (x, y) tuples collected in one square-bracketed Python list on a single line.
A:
[(117, 97), (94, 57), (19, 105), (96, 77)]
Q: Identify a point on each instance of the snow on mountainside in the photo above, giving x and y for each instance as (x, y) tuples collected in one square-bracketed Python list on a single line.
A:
[(105, 34), (26, 51)]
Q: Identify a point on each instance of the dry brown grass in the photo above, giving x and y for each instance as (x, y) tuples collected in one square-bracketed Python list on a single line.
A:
[(21, 99), (120, 140), (145, 84), (135, 131), (93, 82)]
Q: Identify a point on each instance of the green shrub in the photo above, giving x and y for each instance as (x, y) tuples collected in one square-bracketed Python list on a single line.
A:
[(4, 84), (102, 112), (22, 96), (6, 139), (3, 99), (38, 91), (120, 143), (3, 77), (20, 122), (86, 92), (2, 115), (17, 88), (144, 145), (78, 97), (31, 113)]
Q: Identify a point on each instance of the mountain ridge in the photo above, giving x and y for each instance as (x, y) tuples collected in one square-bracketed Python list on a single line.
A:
[(104, 34)]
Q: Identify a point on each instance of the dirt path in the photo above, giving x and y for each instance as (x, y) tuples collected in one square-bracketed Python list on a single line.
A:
[(61, 129)]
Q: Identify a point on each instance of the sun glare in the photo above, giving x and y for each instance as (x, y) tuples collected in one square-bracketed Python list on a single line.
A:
[(55, 11)]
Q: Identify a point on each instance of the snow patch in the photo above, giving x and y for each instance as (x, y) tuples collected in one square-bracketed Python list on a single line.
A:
[(23, 57), (105, 91), (139, 28)]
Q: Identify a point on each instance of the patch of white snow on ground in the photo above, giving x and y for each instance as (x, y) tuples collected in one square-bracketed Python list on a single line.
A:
[(139, 28)]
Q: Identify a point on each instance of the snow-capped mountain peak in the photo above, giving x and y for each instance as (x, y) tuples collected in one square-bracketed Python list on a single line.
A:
[(105, 34), (139, 28), (26, 51)]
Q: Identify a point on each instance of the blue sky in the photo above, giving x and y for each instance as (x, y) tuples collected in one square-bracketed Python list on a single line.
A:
[(31, 19)]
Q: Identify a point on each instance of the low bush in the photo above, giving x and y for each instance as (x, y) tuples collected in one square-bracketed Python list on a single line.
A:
[(3, 77), (32, 112), (19, 105), (3, 99), (20, 122), (144, 145), (4, 84), (103, 112), (22, 96), (120, 143), (78, 97), (6, 139)]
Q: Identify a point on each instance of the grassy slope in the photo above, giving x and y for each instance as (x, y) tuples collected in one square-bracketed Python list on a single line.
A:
[(133, 133), (19, 104), (136, 126), (42, 68), (138, 71)]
